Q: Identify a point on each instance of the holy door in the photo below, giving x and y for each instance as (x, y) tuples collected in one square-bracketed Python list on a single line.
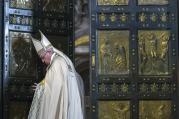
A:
[(134, 55), (21, 65)]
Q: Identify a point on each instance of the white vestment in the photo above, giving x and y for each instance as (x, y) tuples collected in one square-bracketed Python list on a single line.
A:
[(60, 95)]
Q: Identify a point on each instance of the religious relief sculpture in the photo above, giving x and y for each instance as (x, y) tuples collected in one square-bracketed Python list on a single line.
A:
[(26, 4), (113, 52), (120, 57), (112, 2), (114, 110), (54, 5), (153, 17), (114, 18), (22, 60), (20, 20), (106, 54), (155, 110), (153, 52), (164, 17), (152, 2)]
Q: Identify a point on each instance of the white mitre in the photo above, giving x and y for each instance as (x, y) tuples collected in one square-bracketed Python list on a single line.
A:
[(42, 45)]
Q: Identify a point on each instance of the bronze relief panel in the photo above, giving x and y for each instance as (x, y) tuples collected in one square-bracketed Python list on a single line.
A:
[(155, 110), (153, 52), (22, 60), (114, 109), (20, 20), (113, 2), (113, 52), (153, 2), (24, 4)]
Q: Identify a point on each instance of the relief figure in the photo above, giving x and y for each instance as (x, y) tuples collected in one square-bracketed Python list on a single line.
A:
[(105, 58), (153, 52), (143, 54), (122, 111), (21, 53), (120, 58)]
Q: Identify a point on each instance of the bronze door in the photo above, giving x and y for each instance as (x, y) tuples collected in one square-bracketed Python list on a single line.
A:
[(133, 59), (21, 65)]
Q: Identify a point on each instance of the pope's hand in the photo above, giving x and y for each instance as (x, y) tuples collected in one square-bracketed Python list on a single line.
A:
[(34, 86)]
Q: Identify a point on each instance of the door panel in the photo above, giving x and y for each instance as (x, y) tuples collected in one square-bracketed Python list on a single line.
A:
[(114, 110), (134, 53), (155, 110), (153, 2), (112, 2), (153, 52), (113, 52), (22, 61)]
